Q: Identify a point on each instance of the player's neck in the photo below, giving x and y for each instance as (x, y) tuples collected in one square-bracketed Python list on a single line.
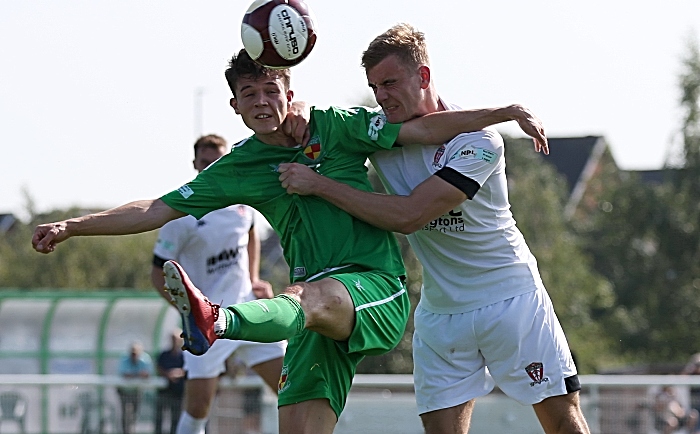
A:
[(277, 138)]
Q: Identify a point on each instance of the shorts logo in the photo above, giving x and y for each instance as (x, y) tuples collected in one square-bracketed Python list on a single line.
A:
[(284, 382), (375, 125), (185, 191), (535, 371)]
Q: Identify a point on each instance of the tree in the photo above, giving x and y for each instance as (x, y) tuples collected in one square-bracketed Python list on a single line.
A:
[(80, 263), (646, 241)]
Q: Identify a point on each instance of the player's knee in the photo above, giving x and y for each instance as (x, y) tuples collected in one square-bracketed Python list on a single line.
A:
[(327, 307)]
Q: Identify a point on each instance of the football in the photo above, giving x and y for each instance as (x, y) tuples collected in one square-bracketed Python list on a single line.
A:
[(278, 33)]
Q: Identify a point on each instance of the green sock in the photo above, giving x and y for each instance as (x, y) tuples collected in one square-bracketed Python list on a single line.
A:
[(266, 320)]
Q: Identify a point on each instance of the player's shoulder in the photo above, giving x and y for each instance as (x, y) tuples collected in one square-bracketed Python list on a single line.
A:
[(487, 137)]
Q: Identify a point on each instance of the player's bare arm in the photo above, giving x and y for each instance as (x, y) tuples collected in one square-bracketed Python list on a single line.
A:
[(406, 214), (439, 127), (131, 218)]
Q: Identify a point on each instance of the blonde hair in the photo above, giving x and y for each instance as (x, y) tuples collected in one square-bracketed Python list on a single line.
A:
[(403, 41)]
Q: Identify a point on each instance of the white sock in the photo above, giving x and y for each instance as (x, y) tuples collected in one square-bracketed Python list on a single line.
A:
[(190, 425), (220, 324)]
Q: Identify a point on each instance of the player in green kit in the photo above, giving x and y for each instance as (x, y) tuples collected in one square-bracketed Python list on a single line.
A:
[(347, 299)]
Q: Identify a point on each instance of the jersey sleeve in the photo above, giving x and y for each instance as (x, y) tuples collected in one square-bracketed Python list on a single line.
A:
[(364, 130), (470, 159), (204, 194), (171, 238)]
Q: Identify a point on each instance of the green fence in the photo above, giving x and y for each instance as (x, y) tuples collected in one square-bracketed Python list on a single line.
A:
[(77, 333)]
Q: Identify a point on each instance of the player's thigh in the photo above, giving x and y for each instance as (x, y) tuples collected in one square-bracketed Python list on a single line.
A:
[(314, 416), (199, 394), (453, 420), (270, 372), (381, 308), (449, 369), (561, 414), (525, 348), (264, 358)]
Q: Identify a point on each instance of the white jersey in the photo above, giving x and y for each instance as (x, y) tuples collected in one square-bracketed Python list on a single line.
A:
[(212, 251), (473, 256)]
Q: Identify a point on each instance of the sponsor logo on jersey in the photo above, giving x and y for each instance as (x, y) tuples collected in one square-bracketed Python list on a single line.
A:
[(479, 154), (185, 191), (222, 261), (438, 156), (284, 380), (299, 271), (535, 371), (375, 126), (450, 222)]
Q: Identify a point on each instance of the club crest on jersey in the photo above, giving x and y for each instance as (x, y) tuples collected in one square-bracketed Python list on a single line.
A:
[(375, 126), (284, 380), (438, 156), (535, 371), (313, 150)]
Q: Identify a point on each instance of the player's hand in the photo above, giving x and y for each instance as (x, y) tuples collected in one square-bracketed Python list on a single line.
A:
[(532, 126), (296, 124), (262, 289), (47, 236), (297, 178)]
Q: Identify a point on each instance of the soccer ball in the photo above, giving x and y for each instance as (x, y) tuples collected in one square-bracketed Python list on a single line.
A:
[(278, 34)]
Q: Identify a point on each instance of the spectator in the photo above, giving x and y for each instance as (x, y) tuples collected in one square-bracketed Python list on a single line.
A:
[(134, 365), (671, 415), (169, 399), (693, 368)]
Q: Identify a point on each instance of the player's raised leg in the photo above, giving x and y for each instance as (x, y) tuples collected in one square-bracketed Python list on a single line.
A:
[(453, 420), (562, 414)]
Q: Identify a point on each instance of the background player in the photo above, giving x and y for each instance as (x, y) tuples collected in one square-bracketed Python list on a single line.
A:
[(221, 253)]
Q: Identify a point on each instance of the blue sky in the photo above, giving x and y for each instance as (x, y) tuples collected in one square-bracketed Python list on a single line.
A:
[(98, 99)]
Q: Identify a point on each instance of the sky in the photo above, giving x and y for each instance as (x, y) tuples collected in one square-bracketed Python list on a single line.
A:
[(100, 102)]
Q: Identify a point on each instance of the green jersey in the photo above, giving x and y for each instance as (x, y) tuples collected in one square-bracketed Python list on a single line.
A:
[(316, 236)]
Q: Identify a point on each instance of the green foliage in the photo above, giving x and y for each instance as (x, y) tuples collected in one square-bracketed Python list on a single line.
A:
[(646, 241), (78, 263)]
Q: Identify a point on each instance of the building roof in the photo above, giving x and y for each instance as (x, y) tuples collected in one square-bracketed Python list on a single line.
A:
[(571, 156)]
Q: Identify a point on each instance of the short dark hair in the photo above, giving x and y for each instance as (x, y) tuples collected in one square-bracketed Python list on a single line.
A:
[(402, 40), (241, 65), (210, 141)]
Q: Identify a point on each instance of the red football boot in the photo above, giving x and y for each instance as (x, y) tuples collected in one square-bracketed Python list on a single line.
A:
[(198, 313)]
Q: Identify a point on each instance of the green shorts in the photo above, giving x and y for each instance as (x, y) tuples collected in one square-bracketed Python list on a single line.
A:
[(318, 367)]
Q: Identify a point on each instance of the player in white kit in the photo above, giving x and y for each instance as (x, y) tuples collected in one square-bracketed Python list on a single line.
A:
[(483, 304), (221, 253)]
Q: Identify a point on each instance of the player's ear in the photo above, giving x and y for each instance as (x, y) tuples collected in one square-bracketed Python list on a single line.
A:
[(290, 96), (424, 72), (234, 103)]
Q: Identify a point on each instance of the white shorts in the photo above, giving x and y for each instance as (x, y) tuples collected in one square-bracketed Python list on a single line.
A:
[(518, 341), (213, 363)]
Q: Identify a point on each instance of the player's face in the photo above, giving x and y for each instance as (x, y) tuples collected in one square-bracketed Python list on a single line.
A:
[(398, 89), (206, 156), (262, 103)]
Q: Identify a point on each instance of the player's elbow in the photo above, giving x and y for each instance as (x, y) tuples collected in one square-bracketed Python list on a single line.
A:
[(408, 223)]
